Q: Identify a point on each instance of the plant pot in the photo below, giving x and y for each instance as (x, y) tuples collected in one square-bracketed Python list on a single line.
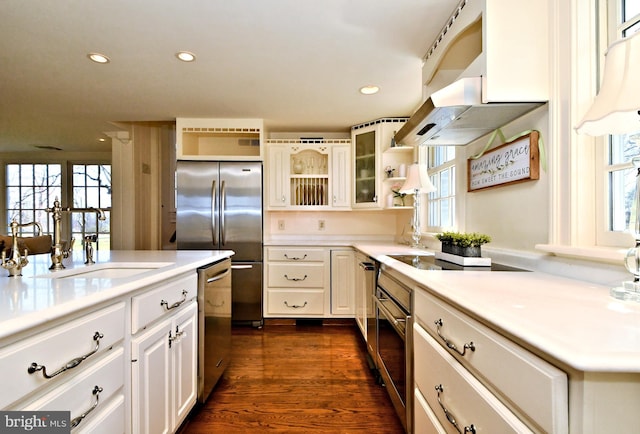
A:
[(469, 252)]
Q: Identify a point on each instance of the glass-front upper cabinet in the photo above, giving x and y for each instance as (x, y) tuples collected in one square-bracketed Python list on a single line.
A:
[(369, 141)]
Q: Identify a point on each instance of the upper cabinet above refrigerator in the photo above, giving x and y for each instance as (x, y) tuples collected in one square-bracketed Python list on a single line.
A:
[(219, 139)]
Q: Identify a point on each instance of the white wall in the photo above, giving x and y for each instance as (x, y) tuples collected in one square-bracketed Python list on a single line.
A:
[(516, 216), (348, 225)]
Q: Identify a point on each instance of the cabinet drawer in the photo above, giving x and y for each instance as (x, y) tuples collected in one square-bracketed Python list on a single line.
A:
[(109, 420), (295, 275), (293, 303), (536, 387), (295, 254), (424, 421), (161, 301), (466, 400), (77, 395), (55, 348)]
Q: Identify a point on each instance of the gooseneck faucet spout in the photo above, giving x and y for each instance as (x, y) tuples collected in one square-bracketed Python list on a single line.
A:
[(58, 252)]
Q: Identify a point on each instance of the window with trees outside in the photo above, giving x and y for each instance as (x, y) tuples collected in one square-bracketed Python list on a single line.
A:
[(32, 188)]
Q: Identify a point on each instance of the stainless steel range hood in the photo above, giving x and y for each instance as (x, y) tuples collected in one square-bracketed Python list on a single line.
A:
[(456, 115)]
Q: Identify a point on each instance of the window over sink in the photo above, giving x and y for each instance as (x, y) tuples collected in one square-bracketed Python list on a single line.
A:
[(31, 188)]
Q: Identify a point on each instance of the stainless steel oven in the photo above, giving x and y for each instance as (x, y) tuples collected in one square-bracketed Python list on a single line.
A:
[(394, 339)]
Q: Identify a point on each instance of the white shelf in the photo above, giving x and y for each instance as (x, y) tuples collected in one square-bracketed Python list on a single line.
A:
[(396, 179)]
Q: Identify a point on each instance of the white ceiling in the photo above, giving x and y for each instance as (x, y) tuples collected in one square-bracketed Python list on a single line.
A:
[(297, 64)]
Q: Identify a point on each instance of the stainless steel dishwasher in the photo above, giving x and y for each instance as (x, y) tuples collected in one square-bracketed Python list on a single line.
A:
[(214, 325)]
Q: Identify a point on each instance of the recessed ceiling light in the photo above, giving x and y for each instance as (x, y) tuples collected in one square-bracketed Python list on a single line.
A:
[(186, 56), (102, 139), (369, 90), (98, 58)]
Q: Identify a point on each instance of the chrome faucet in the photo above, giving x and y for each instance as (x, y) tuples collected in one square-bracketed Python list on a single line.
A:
[(17, 262), (58, 252)]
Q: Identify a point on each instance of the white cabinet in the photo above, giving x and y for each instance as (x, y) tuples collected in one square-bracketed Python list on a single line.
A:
[(90, 396), (309, 282), (343, 283), (341, 176), (308, 175), (277, 171), (520, 393), (58, 354), (220, 139), (164, 373), (486, 39), (164, 355), (297, 282), (369, 141), (76, 366)]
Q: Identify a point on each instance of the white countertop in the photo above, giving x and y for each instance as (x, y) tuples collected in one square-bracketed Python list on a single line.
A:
[(38, 296), (575, 322)]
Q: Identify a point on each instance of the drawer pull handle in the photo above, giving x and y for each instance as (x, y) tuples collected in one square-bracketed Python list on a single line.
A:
[(35, 367), (295, 279), (76, 420), (450, 417), (470, 346), (295, 258), (177, 303), (295, 306)]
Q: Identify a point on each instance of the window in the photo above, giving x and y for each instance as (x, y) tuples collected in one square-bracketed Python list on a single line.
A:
[(33, 187), (91, 189), (440, 207), (620, 174)]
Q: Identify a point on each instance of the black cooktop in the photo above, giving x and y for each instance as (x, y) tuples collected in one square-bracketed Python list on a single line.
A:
[(429, 262)]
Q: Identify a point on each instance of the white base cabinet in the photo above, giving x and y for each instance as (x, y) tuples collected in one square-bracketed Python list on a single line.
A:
[(309, 282), (164, 373), (465, 370), (343, 282)]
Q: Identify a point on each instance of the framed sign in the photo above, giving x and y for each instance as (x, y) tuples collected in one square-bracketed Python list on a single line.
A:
[(513, 162)]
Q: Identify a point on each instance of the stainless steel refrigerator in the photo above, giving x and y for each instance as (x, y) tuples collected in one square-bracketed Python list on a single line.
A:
[(219, 206)]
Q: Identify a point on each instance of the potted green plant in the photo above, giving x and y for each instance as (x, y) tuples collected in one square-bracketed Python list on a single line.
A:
[(463, 244), (398, 195)]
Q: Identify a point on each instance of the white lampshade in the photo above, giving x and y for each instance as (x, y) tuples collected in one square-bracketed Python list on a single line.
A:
[(615, 109), (417, 179)]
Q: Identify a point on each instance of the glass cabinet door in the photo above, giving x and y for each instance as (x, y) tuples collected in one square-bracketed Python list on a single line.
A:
[(365, 168)]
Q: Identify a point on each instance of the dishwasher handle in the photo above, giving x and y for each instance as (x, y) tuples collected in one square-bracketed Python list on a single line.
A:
[(367, 266), (219, 276)]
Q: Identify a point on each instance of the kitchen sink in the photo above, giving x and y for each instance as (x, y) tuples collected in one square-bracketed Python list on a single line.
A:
[(114, 270)]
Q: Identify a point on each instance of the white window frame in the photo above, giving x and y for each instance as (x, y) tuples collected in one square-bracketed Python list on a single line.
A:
[(576, 162), (433, 198), (66, 189)]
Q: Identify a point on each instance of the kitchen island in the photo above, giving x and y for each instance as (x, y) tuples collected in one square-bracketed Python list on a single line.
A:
[(560, 354), (115, 342)]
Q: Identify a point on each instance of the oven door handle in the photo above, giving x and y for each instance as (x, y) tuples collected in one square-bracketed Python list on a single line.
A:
[(395, 322)]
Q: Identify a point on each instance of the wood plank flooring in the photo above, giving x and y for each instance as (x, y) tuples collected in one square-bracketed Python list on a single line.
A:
[(296, 379)]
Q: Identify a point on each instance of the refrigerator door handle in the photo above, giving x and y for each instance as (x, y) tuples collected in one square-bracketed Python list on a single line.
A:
[(214, 232), (242, 267), (223, 211)]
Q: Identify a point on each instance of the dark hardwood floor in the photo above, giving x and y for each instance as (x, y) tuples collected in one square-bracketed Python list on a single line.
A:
[(296, 379)]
